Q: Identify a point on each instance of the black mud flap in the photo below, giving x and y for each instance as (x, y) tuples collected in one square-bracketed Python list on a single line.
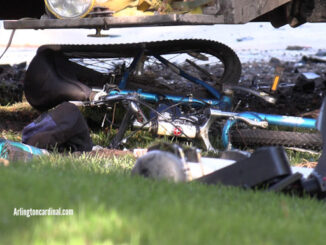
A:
[(269, 168), (266, 166), (315, 184)]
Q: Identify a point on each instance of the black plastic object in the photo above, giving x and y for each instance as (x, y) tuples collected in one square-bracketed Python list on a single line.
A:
[(285, 183), (316, 183), (263, 167), (52, 79), (63, 128), (235, 155), (321, 167), (269, 167)]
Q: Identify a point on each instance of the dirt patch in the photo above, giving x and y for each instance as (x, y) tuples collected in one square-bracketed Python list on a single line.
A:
[(107, 153), (307, 164), (11, 83), (17, 116)]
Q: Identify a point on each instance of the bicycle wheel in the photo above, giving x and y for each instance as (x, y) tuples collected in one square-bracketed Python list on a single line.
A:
[(209, 61), (261, 137)]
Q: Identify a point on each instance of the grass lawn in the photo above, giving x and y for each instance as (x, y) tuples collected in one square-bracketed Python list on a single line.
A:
[(112, 207)]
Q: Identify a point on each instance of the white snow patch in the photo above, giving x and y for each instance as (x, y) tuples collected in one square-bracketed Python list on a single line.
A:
[(261, 41)]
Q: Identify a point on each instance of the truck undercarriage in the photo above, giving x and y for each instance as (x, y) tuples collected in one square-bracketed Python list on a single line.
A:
[(279, 13)]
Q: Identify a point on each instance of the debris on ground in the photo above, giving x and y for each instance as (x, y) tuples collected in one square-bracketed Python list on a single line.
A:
[(310, 75), (313, 59), (11, 83), (18, 152), (321, 53), (307, 164), (301, 87), (105, 153), (296, 48), (4, 162), (241, 39)]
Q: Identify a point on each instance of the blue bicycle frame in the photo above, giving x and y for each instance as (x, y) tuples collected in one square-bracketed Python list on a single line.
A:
[(221, 102)]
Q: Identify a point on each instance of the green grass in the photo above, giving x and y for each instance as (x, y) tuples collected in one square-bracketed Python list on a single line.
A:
[(111, 207), (301, 157), (11, 135)]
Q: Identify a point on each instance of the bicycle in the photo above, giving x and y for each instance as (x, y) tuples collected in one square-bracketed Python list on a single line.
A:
[(197, 123), (128, 66)]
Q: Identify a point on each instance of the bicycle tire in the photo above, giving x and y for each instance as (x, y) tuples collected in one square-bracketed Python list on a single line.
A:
[(231, 62), (261, 137)]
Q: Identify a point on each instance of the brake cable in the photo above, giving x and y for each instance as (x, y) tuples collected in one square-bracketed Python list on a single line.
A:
[(12, 37), (9, 43)]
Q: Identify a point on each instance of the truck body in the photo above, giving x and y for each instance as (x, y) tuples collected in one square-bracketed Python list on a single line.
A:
[(33, 14)]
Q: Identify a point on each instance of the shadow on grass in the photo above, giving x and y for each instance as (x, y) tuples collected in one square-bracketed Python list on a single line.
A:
[(113, 208)]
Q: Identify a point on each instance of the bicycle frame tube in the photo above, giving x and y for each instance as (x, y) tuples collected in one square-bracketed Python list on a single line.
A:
[(125, 76), (150, 97), (223, 102), (182, 73), (290, 121), (277, 120)]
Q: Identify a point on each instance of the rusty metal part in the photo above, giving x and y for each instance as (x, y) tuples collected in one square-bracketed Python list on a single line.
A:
[(230, 12), (115, 22), (319, 12), (100, 12), (243, 11), (98, 33)]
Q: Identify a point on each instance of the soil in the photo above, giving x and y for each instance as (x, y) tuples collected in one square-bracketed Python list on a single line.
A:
[(15, 118), (107, 153), (11, 83), (307, 164)]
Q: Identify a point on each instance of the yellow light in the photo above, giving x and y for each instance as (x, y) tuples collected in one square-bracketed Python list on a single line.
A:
[(65, 9)]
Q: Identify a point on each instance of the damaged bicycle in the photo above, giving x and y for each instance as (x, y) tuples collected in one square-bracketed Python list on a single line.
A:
[(179, 88)]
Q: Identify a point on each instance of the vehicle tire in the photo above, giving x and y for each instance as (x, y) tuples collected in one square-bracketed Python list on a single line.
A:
[(261, 137)]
